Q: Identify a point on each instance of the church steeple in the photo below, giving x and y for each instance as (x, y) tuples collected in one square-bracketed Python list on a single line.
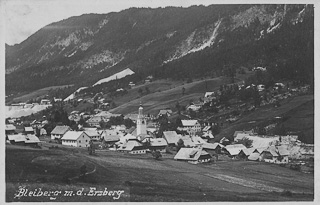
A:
[(141, 122)]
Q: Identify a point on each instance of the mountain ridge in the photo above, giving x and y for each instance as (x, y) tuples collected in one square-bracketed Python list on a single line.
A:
[(162, 41)]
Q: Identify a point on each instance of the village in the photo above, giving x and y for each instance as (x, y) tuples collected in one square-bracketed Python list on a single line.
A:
[(191, 139)]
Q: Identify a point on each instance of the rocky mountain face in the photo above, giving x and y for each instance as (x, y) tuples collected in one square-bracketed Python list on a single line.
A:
[(165, 42)]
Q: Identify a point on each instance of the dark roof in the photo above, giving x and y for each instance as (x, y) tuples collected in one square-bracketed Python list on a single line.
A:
[(60, 130)]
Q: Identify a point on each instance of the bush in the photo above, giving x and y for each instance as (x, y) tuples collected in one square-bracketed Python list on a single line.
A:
[(286, 193)]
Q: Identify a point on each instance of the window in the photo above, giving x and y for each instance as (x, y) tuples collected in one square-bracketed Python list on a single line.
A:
[(79, 141)]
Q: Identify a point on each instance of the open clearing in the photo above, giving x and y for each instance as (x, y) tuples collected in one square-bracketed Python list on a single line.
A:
[(144, 179), (166, 95)]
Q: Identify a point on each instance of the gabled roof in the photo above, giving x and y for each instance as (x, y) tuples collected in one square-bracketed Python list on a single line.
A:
[(235, 148), (131, 145), (171, 137), (206, 128), (272, 150), (282, 151), (189, 122), (107, 114), (111, 138), (17, 138), (242, 132), (31, 139), (211, 146), (96, 119), (257, 141), (254, 156), (247, 151), (165, 112), (157, 142), (28, 129), (10, 127), (207, 94), (92, 133), (190, 154), (60, 130), (72, 135)]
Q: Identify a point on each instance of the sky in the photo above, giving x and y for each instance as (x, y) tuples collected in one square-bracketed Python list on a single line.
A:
[(22, 18)]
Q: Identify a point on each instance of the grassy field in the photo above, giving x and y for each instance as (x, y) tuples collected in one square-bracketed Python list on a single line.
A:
[(141, 178), (166, 95), (38, 93)]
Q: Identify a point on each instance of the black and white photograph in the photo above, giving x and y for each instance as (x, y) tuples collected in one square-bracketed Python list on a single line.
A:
[(158, 101)]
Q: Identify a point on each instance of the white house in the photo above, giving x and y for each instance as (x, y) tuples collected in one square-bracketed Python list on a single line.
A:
[(76, 139), (45, 102), (190, 126)]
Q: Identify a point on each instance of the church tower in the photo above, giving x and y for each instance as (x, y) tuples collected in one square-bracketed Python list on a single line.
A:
[(141, 122)]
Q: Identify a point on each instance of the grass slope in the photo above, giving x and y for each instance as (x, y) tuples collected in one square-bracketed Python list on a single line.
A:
[(144, 179), (38, 93), (166, 95), (299, 112)]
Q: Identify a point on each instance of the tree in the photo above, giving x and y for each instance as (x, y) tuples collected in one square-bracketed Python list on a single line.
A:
[(180, 144), (245, 141), (147, 90), (183, 91), (156, 154), (140, 91)]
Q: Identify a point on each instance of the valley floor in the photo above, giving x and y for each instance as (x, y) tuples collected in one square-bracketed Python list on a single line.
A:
[(143, 178)]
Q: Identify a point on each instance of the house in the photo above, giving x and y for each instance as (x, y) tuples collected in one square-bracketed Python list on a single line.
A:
[(254, 156), (131, 84), (233, 150), (94, 135), (208, 94), (190, 126), (245, 153), (17, 139), (10, 129), (213, 147), (76, 139), (133, 146), (21, 139), (283, 155), (96, 120), (194, 107), (59, 131), (192, 141), (43, 132), (31, 139), (158, 144), (111, 139), (132, 117), (171, 137), (193, 155), (224, 141), (167, 112), (57, 99), (269, 155), (45, 102), (28, 130)]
